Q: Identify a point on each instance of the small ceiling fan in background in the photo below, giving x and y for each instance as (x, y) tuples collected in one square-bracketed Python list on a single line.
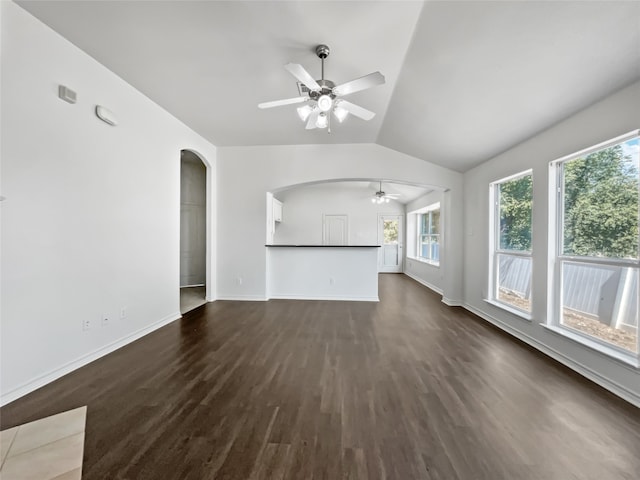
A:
[(323, 97), (381, 197)]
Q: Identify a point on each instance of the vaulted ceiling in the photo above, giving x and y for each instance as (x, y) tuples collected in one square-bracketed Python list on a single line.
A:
[(464, 80)]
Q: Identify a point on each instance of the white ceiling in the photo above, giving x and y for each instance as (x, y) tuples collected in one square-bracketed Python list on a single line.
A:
[(367, 188), (465, 80)]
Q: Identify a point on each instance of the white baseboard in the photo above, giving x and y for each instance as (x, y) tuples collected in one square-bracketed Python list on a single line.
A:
[(324, 297), (614, 387), (447, 301), (426, 284), (451, 303), (242, 298), (58, 372)]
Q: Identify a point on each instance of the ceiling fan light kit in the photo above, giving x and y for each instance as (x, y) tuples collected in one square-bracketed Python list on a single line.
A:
[(382, 197), (340, 113), (322, 95), (322, 121), (304, 112), (324, 103)]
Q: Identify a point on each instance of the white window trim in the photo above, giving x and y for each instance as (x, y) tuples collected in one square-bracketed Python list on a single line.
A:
[(494, 249), (413, 252), (557, 258), (596, 345), (425, 261), (511, 309)]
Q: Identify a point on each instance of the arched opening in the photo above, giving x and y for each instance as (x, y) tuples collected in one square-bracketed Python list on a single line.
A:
[(193, 231), (352, 213), (369, 205)]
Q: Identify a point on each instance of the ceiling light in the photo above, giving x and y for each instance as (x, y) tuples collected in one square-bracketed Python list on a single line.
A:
[(304, 112), (322, 121), (324, 95), (324, 103), (340, 113)]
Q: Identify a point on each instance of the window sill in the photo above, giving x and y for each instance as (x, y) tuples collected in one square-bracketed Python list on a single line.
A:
[(426, 262), (629, 359), (514, 311)]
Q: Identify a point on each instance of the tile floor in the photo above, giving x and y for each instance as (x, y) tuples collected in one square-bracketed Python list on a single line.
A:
[(47, 449)]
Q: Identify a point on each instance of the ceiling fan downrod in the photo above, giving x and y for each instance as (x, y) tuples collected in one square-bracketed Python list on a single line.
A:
[(322, 51)]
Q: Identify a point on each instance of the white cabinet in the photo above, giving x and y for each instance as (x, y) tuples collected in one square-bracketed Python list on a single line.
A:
[(277, 210)]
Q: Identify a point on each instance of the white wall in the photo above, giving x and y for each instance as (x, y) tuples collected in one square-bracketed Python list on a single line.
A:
[(91, 219), (246, 173), (304, 208), (425, 273), (613, 116)]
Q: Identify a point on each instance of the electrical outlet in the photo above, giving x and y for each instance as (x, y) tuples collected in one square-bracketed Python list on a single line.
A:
[(331, 281), (239, 280), (123, 313), (86, 324), (104, 320)]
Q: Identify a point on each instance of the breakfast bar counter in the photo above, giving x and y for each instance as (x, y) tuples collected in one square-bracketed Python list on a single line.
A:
[(323, 272)]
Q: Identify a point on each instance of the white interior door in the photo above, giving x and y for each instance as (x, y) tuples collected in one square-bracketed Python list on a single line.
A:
[(335, 230), (390, 235)]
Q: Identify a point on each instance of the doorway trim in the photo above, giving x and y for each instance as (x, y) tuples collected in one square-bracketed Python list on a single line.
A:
[(209, 229)]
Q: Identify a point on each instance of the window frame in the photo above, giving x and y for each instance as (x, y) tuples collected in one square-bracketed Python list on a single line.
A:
[(495, 250), (414, 223), (557, 258), (419, 235)]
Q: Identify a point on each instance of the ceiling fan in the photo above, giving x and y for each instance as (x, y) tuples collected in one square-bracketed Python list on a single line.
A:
[(323, 97), (381, 197)]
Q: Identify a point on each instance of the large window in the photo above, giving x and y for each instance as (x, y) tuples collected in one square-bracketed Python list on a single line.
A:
[(429, 235), (596, 251), (510, 278)]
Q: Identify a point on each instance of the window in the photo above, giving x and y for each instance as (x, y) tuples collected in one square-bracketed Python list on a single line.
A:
[(424, 234), (428, 242), (596, 257), (390, 232), (510, 269)]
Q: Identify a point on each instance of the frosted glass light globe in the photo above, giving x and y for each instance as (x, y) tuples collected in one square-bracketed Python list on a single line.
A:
[(325, 103)]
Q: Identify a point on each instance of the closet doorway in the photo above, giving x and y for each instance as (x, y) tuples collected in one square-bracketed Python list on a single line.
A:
[(193, 231)]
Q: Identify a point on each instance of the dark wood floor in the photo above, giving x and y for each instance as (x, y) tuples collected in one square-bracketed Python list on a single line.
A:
[(403, 389)]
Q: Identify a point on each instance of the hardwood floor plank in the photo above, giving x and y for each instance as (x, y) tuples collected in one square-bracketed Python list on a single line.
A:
[(404, 389)]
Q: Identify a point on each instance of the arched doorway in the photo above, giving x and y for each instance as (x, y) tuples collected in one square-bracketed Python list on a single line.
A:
[(193, 231)]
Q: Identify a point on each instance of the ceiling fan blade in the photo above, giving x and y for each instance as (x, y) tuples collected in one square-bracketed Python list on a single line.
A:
[(302, 75), (287, 101), (354, 109), (358, 84), (313, 118)]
